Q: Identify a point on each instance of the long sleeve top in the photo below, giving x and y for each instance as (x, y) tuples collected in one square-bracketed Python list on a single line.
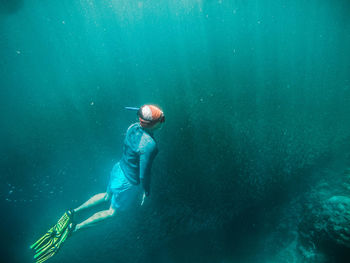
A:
[(139, 151)]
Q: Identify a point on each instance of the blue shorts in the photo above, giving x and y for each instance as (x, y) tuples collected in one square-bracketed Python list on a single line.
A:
[(124, 194)]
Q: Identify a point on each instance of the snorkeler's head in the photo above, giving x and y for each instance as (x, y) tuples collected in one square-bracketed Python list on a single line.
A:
[(150, 116)]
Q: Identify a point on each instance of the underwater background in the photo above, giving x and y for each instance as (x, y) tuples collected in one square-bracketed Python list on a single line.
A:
[(254, 154)]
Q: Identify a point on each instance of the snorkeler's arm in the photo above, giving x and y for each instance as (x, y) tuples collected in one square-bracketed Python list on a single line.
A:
[(146, 159)]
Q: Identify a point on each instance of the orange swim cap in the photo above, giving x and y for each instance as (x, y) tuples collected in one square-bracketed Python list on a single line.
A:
[(149, 115)]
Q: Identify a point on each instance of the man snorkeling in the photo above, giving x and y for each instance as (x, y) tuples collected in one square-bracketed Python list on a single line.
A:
[(130, 179)]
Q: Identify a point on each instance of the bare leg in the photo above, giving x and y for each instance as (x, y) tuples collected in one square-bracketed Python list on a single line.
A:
[(95, 200), (98, 217)]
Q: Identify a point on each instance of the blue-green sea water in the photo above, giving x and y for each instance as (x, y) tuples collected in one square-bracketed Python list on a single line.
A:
[(256, 95)]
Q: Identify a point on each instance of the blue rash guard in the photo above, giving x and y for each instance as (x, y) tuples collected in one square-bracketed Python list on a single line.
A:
[(139, 151)]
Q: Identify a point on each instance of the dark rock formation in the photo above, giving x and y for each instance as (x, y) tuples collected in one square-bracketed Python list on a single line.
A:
[(334, 220), (325, 227)]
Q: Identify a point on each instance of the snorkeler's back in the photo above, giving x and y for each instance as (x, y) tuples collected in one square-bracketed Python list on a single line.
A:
[(139, 150)]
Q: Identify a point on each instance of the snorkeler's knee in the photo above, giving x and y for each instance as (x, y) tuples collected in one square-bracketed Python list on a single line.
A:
[(107, 196), (112, 212)]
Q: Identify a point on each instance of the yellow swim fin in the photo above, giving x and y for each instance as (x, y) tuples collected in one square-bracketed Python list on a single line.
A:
[(50, 242)]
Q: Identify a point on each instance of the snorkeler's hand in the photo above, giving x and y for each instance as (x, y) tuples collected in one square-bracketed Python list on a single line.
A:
[(143, 198)]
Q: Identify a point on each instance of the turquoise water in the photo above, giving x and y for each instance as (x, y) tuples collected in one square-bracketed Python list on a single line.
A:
[(256, 96)]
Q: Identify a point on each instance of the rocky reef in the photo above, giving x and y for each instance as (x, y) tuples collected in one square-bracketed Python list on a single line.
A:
[(325, 226), (321, 223)]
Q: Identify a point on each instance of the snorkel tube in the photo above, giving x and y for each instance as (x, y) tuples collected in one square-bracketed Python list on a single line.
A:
[(132, 108)]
